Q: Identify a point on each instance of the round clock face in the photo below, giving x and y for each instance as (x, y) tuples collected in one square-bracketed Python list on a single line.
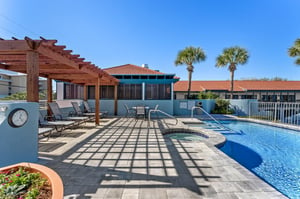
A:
[(17, 117)]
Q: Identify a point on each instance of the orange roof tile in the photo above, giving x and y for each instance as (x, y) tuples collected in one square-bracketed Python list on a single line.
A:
[(130, 69), (239, 85)]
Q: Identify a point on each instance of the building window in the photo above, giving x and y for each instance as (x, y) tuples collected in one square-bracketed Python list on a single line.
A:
[(130, 91), (269, 98), (249, 97), (106, 92), (73, 91), (158, 91), (287, 98)]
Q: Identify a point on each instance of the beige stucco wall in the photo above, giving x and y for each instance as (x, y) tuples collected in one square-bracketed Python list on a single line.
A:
[(18, 84), (4, 85)]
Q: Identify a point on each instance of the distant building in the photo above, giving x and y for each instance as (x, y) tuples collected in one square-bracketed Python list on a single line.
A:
[(12, 84), (265, 91), (136, 83)]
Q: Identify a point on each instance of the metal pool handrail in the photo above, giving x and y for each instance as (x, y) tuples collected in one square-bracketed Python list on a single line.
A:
[(219, 123), (164, 113)]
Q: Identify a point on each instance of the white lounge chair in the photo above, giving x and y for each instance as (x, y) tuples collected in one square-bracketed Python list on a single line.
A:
[(78, 111), (88, 109), (45, 132), (57, 114), (59, 125)]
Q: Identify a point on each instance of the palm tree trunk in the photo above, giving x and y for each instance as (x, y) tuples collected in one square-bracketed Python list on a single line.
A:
[(231, 84), (190, 83)]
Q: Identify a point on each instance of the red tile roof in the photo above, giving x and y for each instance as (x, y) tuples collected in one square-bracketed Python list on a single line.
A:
[(239, 85), (129, 69)]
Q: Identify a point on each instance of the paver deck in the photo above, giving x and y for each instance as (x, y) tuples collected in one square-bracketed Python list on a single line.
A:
[(129, 160)]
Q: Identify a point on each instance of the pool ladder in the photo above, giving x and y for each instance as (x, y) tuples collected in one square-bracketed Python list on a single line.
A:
[(220, 125)]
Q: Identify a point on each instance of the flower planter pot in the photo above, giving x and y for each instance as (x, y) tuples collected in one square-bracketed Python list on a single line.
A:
[(54, 179)]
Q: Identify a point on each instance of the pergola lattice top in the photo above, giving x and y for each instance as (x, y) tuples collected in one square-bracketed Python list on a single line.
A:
[(54, 62)]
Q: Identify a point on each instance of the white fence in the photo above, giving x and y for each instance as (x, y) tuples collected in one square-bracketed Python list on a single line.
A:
[(283, 112)]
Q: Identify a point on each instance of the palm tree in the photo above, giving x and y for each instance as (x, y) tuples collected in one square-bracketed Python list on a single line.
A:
[(231, 57), (189, 56), (294, 51)]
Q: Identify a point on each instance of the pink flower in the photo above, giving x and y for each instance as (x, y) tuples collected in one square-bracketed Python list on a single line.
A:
[(18, 175)]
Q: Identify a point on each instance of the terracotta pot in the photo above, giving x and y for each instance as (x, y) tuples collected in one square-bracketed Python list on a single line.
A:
[(54, 179)]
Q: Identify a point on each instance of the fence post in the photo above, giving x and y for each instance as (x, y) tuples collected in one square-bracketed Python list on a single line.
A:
[(275, 116)]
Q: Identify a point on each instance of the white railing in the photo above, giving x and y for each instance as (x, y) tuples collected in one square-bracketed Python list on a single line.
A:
[(283, 112)]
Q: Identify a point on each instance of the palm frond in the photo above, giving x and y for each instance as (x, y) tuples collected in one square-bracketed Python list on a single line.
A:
[(297, 61), (294, 51), (233, 55), (189, 56)]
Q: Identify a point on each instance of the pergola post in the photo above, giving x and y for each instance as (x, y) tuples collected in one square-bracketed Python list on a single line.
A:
[(97, 101), (116, 99), (49, 93), (49, 90), (85, 92), (32, 70)]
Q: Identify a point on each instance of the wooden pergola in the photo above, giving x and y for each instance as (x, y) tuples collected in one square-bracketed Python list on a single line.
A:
[(42, 58)]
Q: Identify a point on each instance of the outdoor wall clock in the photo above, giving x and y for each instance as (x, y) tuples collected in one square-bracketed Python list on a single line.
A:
[(18, 117)]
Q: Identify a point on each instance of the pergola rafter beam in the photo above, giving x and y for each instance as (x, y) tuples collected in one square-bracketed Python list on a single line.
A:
[(44, 58)]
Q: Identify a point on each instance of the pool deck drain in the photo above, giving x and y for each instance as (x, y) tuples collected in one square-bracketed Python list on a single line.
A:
[(129, 159)]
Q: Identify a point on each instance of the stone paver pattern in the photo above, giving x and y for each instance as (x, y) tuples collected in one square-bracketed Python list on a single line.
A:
[(127, 159)]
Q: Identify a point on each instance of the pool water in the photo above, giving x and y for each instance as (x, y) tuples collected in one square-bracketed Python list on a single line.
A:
[(185, 136), (271, 153)]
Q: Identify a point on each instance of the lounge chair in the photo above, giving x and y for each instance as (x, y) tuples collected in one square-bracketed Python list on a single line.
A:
[(88, 109), (57, 114), (46, 132), (59, 125), (78, 111)]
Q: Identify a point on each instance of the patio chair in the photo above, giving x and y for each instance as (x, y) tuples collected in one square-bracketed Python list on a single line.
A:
[(140, 112), (129, 111), (57, 114), (58, 125), (88, 109)]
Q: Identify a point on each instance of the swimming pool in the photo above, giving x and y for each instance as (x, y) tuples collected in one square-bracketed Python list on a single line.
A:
[(271, 153)]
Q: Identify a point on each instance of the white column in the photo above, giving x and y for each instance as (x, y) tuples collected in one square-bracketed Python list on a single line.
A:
[(143, 91), (172, 91)]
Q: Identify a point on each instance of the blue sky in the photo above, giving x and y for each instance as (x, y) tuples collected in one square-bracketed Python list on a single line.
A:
[(115, 32)]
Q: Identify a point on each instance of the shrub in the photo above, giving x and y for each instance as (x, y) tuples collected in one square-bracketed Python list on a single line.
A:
[(222, 107), (207, 95)]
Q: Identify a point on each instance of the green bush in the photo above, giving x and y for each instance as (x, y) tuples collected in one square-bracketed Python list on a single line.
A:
[(222, 107), (207, 95), (23, 96)]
